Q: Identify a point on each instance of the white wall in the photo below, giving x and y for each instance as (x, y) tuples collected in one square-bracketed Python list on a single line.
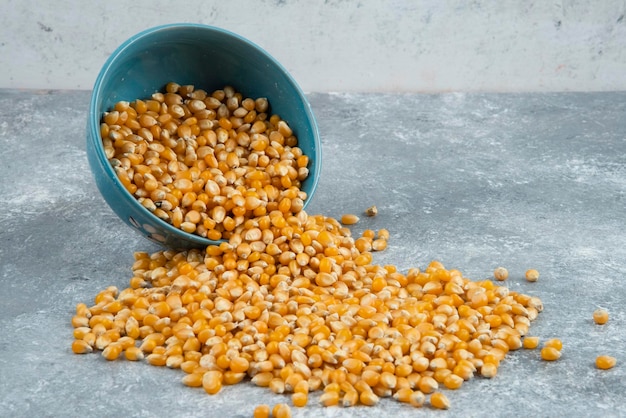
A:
[(342, 45)]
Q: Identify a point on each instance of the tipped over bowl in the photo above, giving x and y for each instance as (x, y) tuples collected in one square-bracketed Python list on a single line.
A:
[(208, 58)]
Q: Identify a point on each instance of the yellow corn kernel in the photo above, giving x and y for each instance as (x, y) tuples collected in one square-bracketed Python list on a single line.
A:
[(80, 321), (530, 342), (232, 378), (417, 399), (262, 379), (403, 395), (349, 219), (427, 385), (555, 343), (155, 359), (330, 398), (299, 399), (133, 354), (262, 411), (277, 385), (350, 398), (532, 275), (489, 370), (500, 274), (112, 351), (600, 316), (379, 244), (388, 380), (452, 381), (368, 398), (81, 347), (193, 380), (550, 353), (281, 410), (439, 400), (605, 362), (212, 381), (239, 365)]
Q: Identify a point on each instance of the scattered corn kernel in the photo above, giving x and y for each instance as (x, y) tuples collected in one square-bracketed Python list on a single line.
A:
[(439, 400), (281, 410), (349, 219), (500, 274), (81, 347), (530, 342), (532, 275), (299, 399), (600, 316), (605, 362), (489, 370), (262, 411), (212, 381), (550, 354), (371, 211), (555, 343)]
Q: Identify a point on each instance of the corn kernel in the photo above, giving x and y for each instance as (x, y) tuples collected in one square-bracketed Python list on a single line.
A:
[(600, 316), (530, 342), (605, 362), (349, 219), (555, 343), (262, 411), (439, 400), (500, 274), (532, 275), (371, 211), (281, 410), (550, 353)]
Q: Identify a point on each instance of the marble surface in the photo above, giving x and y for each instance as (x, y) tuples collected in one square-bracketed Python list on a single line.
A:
[(472, 180)]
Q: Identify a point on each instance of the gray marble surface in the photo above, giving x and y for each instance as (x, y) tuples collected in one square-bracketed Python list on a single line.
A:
[(472, 180)]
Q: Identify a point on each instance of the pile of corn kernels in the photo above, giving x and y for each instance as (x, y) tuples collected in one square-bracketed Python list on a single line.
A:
[(289, 301)]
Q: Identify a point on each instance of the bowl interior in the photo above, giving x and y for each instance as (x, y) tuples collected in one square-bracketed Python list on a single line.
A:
[(208, 58)]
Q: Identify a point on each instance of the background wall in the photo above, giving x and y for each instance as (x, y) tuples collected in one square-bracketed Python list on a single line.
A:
[(342, 45)]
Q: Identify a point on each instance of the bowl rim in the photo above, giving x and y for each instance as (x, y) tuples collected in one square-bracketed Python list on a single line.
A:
[(95, 117)]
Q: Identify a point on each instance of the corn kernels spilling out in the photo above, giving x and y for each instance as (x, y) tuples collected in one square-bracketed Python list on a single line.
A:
[(289, 301), (295, 304)]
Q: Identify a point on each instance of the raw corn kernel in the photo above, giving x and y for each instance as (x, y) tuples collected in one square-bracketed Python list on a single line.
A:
[(550, 353), (530, 342), (81, 347), (600, 316), (330, 398), (605, 362), (299, 399), (439, 400), (500, 274), (262, 411), (349, 219), (371, 211), (532, 275), (281, 410), (489, 370), (555, 343), (212, 381)]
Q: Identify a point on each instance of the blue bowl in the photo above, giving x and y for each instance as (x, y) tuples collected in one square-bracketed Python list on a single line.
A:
[(208, 58)]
